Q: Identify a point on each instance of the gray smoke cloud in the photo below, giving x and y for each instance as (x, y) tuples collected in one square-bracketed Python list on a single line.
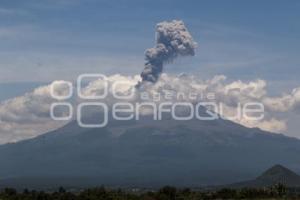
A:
[(172, 40)]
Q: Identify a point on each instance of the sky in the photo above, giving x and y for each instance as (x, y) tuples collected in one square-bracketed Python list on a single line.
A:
[(47, 40)]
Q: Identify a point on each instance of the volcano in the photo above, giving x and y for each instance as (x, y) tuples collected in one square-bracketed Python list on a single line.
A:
[(149, 153)]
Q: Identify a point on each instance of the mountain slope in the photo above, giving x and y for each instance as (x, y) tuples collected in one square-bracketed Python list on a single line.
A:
[(146, 153)]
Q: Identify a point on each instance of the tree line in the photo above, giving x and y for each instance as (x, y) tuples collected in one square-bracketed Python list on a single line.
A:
[(278, 191)]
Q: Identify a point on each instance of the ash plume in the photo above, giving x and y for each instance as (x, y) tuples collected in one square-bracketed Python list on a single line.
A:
[(172, 40)]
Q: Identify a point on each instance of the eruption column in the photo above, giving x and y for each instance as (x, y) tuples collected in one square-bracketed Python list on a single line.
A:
[(172, 40)]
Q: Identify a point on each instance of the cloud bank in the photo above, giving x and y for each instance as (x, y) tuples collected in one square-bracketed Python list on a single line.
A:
[(28, 116)]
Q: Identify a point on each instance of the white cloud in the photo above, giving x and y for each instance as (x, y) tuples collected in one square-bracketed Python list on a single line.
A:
[(230, 95), (286, 102), (28, 116)]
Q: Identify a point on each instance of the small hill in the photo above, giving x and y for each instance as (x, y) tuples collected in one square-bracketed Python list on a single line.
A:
[(275, 174)]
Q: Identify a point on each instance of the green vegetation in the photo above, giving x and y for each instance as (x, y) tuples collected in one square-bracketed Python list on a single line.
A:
[(277, 191)]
